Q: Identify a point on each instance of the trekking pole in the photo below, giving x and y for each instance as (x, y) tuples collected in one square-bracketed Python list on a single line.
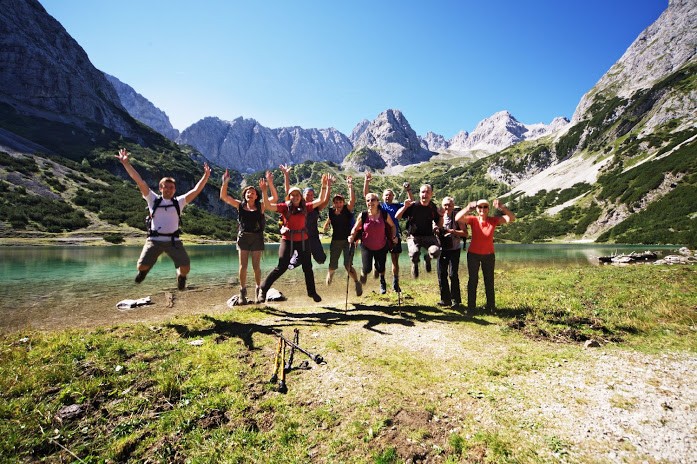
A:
[(352, 248), (282, 388), (274, 376), (296, 340), (315, 357)]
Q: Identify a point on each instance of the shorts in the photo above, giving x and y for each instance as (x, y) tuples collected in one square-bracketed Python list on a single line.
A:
[(397, 248), (250, 241), (416, 242), (154, 248), (336, 247)]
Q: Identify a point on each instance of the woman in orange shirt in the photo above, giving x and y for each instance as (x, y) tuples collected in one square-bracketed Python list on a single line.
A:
[(481, 249)]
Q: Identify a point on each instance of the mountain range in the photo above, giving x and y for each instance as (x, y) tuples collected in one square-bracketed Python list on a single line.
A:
[(628, 148)]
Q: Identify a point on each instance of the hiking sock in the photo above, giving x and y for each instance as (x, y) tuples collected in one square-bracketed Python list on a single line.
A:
[(427, 264), (181, 282), (243, 295), (383, 285), (415, 270), (395, 284), (359, 288)]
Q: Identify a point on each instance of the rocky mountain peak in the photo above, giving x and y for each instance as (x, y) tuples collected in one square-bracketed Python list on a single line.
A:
[(391, 135), (662, 48), (142, 109), (46, 73)]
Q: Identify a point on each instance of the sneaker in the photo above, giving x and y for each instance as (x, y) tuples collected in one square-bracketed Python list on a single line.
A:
[(414, 270), (141, 276), (395, 285), (427, 264), (315, 297), (443, 303), (363, 278), (330, 277), (181, 282), (359, 288), (243, 295), (383, 285)]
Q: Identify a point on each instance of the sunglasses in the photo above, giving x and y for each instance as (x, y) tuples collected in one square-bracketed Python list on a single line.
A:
[(482, 207), (371, 200)]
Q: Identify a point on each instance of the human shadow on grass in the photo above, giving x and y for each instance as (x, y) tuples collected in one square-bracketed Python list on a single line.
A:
[(224, 329)]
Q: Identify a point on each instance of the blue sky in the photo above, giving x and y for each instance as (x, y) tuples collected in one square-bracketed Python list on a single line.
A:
[(445, 64)]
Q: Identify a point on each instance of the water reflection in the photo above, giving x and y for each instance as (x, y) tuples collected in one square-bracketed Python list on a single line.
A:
[(63, 282)]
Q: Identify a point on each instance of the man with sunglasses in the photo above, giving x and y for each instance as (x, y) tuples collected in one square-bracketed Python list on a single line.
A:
[(481, 249)]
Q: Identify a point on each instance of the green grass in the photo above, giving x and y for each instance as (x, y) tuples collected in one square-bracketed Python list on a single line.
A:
[(148, 394)]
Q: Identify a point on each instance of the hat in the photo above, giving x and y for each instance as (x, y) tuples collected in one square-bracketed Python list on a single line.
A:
[(482, 202), (338, 197), (291, 190), (308, 189)]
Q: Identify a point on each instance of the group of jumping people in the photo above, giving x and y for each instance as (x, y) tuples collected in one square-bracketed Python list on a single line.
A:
[(440, 231)]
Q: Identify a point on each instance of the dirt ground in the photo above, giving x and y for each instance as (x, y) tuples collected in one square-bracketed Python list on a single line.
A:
[(623, 405)]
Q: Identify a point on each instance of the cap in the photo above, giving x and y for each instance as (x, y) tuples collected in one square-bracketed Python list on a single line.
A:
[(291, 190), (338, 197), (482, 202)]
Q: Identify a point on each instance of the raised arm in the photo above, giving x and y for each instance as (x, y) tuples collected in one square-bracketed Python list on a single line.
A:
[(285, 169), (323, 199), (508, 215), (223, 192), (352, 193), (268, 206), (274, 198), (124, 157), (198, 188), (407, 204), (407, 188), (366, 183)]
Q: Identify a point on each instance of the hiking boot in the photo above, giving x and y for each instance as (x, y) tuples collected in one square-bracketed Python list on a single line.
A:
[(395, 285), (181, 282), (427, 264), (359, 288), (443, 303), (415, 270), (330, 277), (141, 276), (261, 295), (383, 285), (315, 297), (256, 294), (363, 278), (243, 295)]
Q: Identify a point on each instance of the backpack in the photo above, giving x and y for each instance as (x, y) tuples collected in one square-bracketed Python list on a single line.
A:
[(388, 229), (149, 217)]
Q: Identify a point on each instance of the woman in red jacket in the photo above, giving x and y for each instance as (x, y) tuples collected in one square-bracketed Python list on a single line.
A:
[(481, 249)]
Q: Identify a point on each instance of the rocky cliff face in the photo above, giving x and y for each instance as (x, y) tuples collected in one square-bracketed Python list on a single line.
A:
[(499, 131), (142, 109), (45, 73), (434, 142), (392, 138), (247, 146), (664, 47)]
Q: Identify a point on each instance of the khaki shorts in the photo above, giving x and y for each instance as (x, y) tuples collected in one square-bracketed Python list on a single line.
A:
[(250, 241), (416, 242), (153, 249)]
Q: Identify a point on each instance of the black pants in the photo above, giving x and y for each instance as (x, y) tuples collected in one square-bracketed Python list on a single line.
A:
[(367, 257), (316, 249), (487, 263), (285, 251), (448, 268)]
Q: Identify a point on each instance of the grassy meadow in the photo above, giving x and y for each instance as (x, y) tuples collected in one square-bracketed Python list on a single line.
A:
[(409, 383)]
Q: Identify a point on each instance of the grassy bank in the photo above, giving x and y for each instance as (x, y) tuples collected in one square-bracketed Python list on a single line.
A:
[(417, 382)]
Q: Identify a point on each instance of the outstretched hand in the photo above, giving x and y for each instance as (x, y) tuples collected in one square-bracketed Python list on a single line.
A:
[(285, 168), (226, 176), (123, 155)]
